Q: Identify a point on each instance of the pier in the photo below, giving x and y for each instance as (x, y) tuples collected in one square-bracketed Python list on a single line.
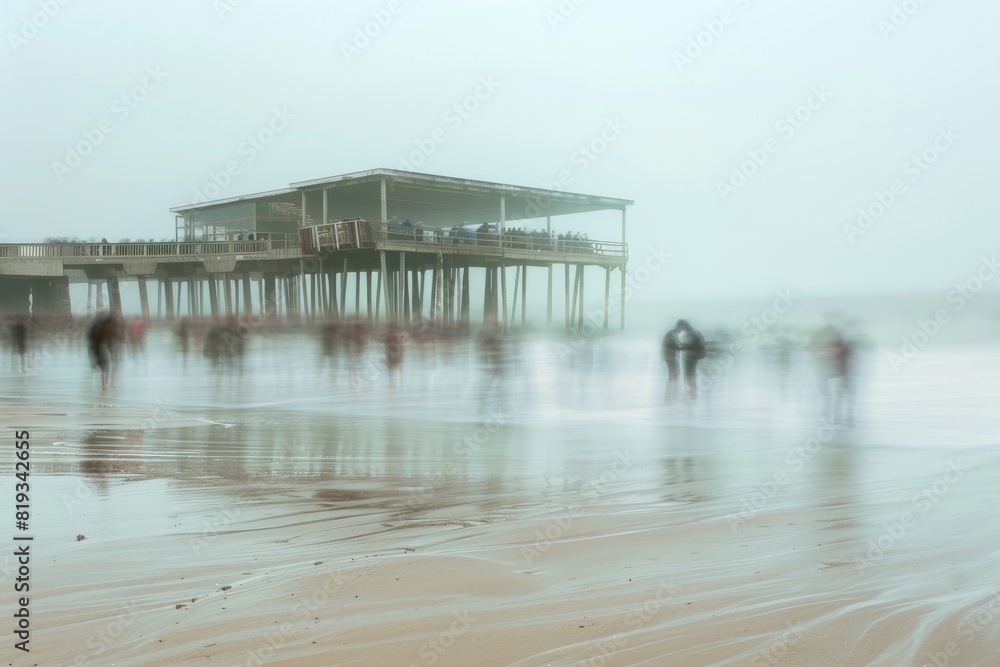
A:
[(385, 245)]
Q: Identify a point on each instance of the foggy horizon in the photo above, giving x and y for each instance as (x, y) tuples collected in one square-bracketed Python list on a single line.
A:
[(839, 150)]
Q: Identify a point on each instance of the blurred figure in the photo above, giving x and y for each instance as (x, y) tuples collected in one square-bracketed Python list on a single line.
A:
[(670, 350), (19, 339), (777, 351), (355, 336), (104, 339), (393, 350), (329, 336), (693, 346), (137, 338), (183, 333), (225, 345), (834, 356), (491, 352)]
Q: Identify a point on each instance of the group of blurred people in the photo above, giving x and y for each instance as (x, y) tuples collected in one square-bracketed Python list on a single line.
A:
[(833, 349)]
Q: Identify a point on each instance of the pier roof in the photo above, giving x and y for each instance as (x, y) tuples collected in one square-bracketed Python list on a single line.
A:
[(439, 201)]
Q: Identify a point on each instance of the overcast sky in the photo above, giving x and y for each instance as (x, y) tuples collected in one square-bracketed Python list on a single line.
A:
[(748, 155)]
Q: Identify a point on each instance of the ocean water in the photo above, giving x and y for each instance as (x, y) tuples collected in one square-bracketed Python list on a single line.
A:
[(937, 395)]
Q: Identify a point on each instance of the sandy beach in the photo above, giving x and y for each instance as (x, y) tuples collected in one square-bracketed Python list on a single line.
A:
[(556, 514)]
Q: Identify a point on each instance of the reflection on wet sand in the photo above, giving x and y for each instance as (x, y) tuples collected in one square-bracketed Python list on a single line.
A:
[(553, 513)]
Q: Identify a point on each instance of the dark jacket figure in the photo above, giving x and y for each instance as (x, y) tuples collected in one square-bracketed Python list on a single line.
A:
[(692, 344), (224, 344), (670, 351), (103, 340), (19, 338), (183, 333), (393, 347)]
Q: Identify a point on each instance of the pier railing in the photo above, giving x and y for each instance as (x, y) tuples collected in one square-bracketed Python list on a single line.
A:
[(129, 250), (350, 234)]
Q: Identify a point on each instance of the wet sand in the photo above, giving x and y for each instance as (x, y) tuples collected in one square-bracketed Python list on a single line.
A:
[(551, 516)]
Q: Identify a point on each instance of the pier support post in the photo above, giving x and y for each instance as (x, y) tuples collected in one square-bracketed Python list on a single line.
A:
[(368, 300), (114, 293), (576, 292), (607, 294), (517, 293), (465, 298), (622, 306), (247, 300), (401, 291), (487, 293), (567, 296), (548, 241), (438, 289), (384, 275), (343, 292), (503, 293), (143, 299), (270, 304), (228, 294), (435, 318), (213, 295), (357, 294), (416, 307), (313, 300), (168, 297), (524, 295), (331, 282)]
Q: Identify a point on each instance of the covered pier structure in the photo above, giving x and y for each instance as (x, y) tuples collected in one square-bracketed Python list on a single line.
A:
[(409, 228), (378, 244)]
